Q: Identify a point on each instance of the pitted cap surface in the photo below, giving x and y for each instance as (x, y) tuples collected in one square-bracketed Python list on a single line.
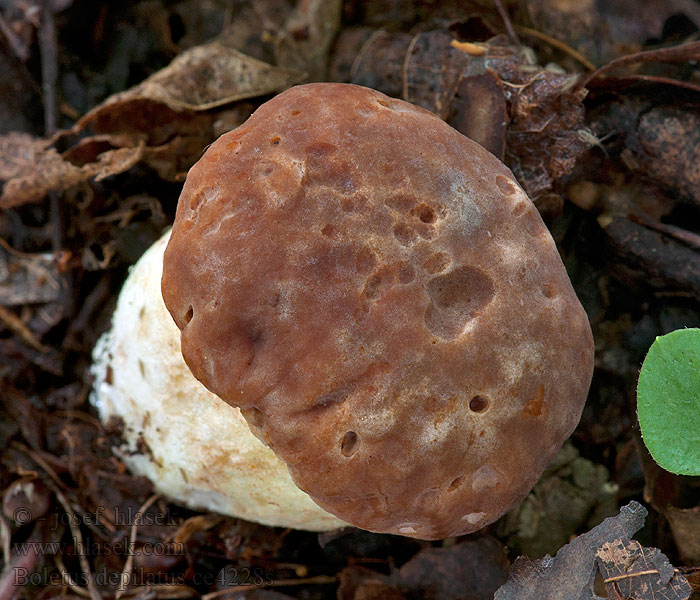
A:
[(383, 302)]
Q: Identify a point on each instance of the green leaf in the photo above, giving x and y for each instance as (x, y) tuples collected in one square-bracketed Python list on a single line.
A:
[(668, 401)]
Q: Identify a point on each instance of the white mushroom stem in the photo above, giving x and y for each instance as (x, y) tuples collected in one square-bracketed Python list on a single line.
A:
[(195, 448)]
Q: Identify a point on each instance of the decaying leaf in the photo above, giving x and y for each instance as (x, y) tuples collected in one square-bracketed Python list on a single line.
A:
[(685, 527), (604, 30), (572, 495), (632, 572), (471, 570), (479, 111), (543, 140), (491, 92), (304, 44), (30, 168), (648, 256), (570, 574), (655, 152), (160, 121), (401, 65), (28, 278), (204, 77)]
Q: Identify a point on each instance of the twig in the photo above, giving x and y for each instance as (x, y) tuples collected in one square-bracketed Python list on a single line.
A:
[(49, 75), (55, 485), (17, 253), (5, 541), (558, 44), (628, 575), (17, 326), (522, 86), (636, 77), (79, 544), (678, 233), (680, 53), (363, 50), (80, 416), (129, 565), (404, 67), (68, 580), (506, 21), (18, 47), (49, 66)]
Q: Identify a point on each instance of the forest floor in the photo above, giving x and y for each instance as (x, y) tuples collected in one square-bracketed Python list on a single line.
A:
[(595, 107)]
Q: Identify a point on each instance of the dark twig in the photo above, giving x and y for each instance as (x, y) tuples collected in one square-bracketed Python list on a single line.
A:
[(506, 21), (48, 46), (49, 66), (56, 484), (558, 44), (18, 47), (682, 235), (680, 53), (129, 565), (627, 80)]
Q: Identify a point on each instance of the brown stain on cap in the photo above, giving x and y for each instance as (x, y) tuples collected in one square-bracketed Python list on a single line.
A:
[(535, 406), (353, 272)]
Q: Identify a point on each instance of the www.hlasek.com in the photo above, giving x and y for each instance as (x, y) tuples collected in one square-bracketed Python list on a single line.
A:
[(119, 548)]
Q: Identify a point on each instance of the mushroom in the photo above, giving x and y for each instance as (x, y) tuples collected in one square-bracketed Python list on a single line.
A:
[(385, 305), (194, 447)]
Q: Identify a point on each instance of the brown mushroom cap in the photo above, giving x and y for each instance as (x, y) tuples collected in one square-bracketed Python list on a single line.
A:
[(385, 305)]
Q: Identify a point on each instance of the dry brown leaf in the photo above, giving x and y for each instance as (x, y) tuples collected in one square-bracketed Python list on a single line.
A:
[(201, 78), (470, 570), (479, 111), (28, 278), (31, 169), (156, 121), (657, 153), (21, 153), (112, 162), (304, 44), (543, 139), (685, 527), (163, 116), (647, 256), (604, 30), (570, 574), (632, 572), (543, 113)]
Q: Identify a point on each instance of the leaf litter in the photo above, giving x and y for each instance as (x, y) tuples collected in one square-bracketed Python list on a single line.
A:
[(598, 150)]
